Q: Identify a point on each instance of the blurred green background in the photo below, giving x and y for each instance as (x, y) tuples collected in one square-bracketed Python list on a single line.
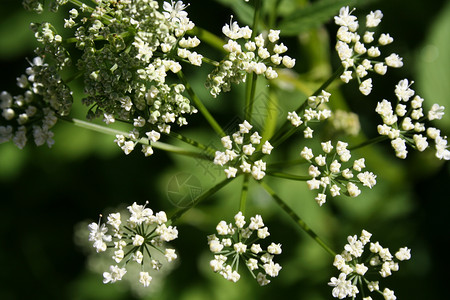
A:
[(46, 194)]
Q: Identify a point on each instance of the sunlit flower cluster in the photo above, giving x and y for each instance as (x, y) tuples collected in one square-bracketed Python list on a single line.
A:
[(316, 111), (134, 242), (360, 267), (259, 55), (235, 243), (32, 114), (240, 150), (125, 79), (404, 123), (361, 54), (332, 171)]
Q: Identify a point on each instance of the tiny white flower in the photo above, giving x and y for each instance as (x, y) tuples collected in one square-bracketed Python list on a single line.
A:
[(366, 87), (145, 279), (231, 172), (170, 255), (138, 240)]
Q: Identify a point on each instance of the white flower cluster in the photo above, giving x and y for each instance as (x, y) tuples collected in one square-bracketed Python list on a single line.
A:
[(133, 241), (34, 113), (358, 268), (236, 242), (125, 76), (259, 56), (404, 124), (328, 174), (315, 112), (361, 54), (239, 151), (345, 121)]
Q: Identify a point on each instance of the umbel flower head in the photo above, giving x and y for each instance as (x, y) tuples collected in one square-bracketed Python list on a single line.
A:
[(240, 148), (360, 267), (360, 54), (127, 52), (404, 124), (134, 242), (126, 78), (259, 55), (332, 171), (235, 243)]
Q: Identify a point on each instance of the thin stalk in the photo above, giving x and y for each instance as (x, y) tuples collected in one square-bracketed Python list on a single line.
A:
[(200, 106), (250, 96), (288, 176), (256, 18), (244, 193), (273, 14), (206, 149), (200, 198), (287, 163), (297, 219), (114, 132), (372, 141), (251, 77)]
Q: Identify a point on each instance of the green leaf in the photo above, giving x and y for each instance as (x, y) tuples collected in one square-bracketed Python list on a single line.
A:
[(312, 16), (433, 63), (243, 10)]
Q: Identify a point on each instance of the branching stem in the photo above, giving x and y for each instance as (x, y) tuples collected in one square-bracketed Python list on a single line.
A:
[(296, 218)]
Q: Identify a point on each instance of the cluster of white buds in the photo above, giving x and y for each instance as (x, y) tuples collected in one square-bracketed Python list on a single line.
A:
[(316, 111), (361, 54), (34, 113), (404, 124), (358, 268), (259, 55), (240, 148), (328, 173), (237, 242), (134, 241)]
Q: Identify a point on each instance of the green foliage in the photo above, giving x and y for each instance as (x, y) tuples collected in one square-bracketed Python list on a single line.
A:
[(433, 63)]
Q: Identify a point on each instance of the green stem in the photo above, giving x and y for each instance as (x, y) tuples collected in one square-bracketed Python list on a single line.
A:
[(199, 199), (375, 140), (208, 151), (284, 137), (287, 163), (288, 176), (256, 18), (114, 132), (208, 37), (244, 193), (273, 14), (251, 77), (297, 219), (200, 106), (250, 96)]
